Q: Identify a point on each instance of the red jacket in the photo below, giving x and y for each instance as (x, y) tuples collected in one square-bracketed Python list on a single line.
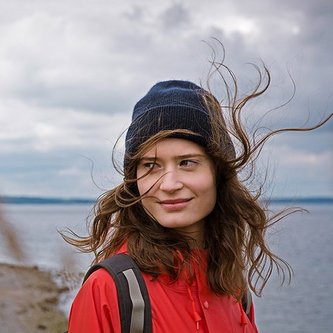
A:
[(177, 307)]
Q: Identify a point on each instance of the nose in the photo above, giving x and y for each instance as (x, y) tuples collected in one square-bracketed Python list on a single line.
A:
[(170, 182)]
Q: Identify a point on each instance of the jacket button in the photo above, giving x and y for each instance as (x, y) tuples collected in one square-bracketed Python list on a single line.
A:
[(206, 305)]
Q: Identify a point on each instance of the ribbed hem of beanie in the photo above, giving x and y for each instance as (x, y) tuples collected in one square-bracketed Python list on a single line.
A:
[(169, 117)]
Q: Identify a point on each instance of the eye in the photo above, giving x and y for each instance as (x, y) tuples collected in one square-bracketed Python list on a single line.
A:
[(187, 163), (150, 165)]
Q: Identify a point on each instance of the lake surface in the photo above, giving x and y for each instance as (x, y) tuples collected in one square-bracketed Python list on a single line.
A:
[(304, 240)]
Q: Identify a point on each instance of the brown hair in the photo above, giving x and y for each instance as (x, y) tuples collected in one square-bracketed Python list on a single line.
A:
[(238, 255)]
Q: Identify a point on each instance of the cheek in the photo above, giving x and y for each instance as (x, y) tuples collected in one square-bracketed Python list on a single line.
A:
[(213, 199), (144, 185), (209, 191), (146, 204), (141, 187), (211, 196)]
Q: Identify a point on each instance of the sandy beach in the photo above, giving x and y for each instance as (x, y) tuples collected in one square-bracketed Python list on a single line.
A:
[(29, 301)]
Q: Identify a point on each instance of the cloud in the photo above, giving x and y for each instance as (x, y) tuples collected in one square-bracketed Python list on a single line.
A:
[(51, 61), (39, 129), (71, 72), (299, 164)]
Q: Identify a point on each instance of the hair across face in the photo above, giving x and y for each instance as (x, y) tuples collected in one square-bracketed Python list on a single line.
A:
[(177, 184)]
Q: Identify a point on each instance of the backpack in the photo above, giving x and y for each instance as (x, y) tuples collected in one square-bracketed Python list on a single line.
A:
[(133, 297)]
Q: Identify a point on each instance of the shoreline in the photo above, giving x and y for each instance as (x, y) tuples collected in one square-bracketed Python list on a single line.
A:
[(30, 298)]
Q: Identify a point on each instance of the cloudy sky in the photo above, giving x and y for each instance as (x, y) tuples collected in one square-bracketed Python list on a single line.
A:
[(71, 71)]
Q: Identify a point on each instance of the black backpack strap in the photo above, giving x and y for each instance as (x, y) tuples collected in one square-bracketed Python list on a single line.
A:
[(247, 302), (133, 298)]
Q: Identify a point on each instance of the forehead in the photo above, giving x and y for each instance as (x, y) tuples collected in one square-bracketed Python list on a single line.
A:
[(173, 146)]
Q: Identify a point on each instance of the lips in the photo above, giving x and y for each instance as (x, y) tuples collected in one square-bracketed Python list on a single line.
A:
[(174, 201), (175, 204)]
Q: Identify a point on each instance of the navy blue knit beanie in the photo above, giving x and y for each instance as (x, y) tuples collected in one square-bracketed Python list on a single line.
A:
[(170, 105)]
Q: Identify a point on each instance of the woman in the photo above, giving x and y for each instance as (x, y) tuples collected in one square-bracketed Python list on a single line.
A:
[(182, 213)]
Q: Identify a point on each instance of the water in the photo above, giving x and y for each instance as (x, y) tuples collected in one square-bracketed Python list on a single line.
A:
[(37, 228), (304, 240)]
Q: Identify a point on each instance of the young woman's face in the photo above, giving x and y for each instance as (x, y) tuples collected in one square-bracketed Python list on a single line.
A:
[(180, 189)]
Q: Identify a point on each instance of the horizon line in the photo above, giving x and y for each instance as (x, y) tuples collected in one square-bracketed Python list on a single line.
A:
[(21, 199)]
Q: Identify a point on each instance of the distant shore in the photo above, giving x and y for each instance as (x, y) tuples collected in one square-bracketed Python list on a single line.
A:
[(46, 201), (77, 201), (29, 301)]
